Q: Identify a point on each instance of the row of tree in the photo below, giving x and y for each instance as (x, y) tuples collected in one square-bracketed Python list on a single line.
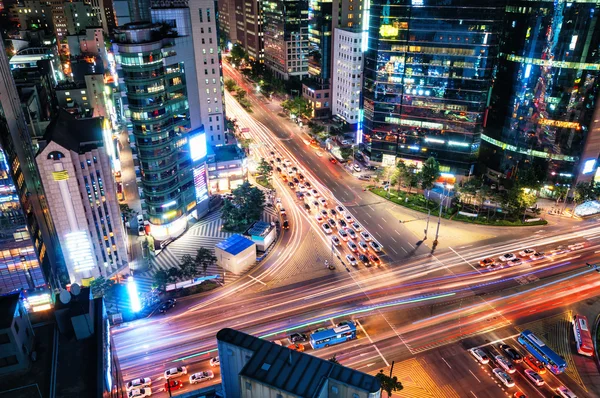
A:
[(244, 208), (189, 268), (409, 176), (298, 106)]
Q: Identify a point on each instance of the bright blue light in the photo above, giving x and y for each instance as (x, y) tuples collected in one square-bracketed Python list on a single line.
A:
[(134, 298), (527, 71)]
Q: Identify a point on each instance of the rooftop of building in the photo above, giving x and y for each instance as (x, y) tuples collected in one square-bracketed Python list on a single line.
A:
[(294, 372), (8, 306), (226, 153), (260, 228), (66, 85), (75, 134), (235, 244)]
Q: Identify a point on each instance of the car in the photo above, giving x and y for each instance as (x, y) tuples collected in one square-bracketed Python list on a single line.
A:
[(519, 394), (537, 256), (565, 392), (332, 223), (278, 160), (365, 235), (215, 361), (298, 338), (278, 342), (307, 207), (503, 377), (506, 257), (315, 203), (291, 184), (335, 240), (345, 323), (295, 180), (272, 153), (363, 246), (505, 364), (343, 235), (171, 385), (486, 262), (307, 184), (375, 246), (343, 223), (348, 218), (141, 230), (301, 187), (167, 305), (333, 160), (333, 213), (534, 364), (314, 193), (511, 353), (138, 383), (323, 201), (326, 228), (286, 224), (374, 259), (201, 377), (514, 261), (319, 218), (296, 347), (300, 176), (294, 168), (282, 211), (576, 246), (356, 168), (480, 355), (324, 213), (351, 233), (352, 246), (364, 259), (139, 392), (351, 260), (175, 372), (278, 169), (340, 210), (356, 226), (526, 252), (534, 377), (318, 330)]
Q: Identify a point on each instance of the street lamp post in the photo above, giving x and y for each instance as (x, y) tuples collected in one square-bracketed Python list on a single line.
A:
[(437, 231)]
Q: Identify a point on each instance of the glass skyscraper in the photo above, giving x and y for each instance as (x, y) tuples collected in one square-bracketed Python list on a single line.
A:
[(546, 91), (429, 67)]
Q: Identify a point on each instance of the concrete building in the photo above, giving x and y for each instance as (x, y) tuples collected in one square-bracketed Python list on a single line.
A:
[(227, 168), (105, 13), (89, 41), (263, 234), (59, 21), (34, 14), (73, 97), (76, 172), (236, 254), (285, 31), (27, 59), (248, 26), (227, 29), (79, 16), (16, 334), (121, 12), (253, 367), (347, 75)]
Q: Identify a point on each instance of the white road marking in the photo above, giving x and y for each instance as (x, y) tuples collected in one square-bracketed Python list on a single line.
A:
[(464, 259), (393, 250), (444, 359), (379, 226), (473, 393), (371, 207), (405, 251), (395, 241), (257, 280), (410, 244), (374, 346), (476, 378)]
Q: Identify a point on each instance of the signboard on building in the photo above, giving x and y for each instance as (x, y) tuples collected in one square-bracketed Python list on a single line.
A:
[(200, 183), (388, 160)]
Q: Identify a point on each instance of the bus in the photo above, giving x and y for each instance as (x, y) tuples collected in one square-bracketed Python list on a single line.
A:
[(345, 331), (582, 336), (542, 352)]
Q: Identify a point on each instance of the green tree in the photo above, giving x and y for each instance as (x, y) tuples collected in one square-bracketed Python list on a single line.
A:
[(163, 278), (102, 287), (230, 85), (410, 177), (237, 54), (244, 208), (559, 192), (583, 191), (298, 106), (188, 267), (334, 359), (204, 258), (264, 168), (346, 152), (388, 384), (429, 173), (240, 93)]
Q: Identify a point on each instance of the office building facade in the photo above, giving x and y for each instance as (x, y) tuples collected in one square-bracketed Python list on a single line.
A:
[(285, 30), (347, 74), (428, 70), (79, 16), (227, 29), (544, 112), (249, 28)]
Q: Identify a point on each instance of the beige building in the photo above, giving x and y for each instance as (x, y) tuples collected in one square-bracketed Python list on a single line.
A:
[(253, 367), (236, 254), (75, 169)]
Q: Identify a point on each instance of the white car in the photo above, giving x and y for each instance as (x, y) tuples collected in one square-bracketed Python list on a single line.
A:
[(326, 228), (506, 257), (319, 218), (301, 187), (324, 213), (503, 377), (348, 218), (365, 235), (335, 240), (351, 260), (138, 383), (375, 246), (363, 246), (505, 364), (534, 377), (215, 361), (576, 246), (537, 256), (351, 233), (565, 392), (526, 252), (175, 372), (479, 355), (291, 172), (315, 193), (323, 201), (139, 392), (356, 226), (352, 246), (356, 168), (282, 211), (343, 234), (340, 210), (201, 376)]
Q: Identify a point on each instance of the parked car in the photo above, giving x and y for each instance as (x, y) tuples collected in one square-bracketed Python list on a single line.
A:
[(534, 377), (215, 361), (480, 355), (173, 385), (175, 372), (504, 377), (138, 383), (201, 377), (167, 305), (139, 392), (298, 337)]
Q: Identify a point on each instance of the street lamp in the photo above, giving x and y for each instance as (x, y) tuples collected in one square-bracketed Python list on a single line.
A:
[(437, 231)]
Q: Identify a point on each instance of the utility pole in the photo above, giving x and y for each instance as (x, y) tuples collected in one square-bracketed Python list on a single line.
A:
[(427, 226), (437, 231)]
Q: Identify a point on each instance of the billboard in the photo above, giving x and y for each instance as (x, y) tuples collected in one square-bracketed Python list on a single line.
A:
[(197, 146), (200, 183)]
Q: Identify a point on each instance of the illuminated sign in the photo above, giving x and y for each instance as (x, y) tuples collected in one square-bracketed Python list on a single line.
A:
[(530, 152), (80, 251), (200, 184), (198, 146), (388, 160), (559, 123), (388, 31), (60, 175), (553, 63), (588, 166)]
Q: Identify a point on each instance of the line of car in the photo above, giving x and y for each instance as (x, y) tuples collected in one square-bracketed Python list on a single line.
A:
[(505, 367), (511, 259)]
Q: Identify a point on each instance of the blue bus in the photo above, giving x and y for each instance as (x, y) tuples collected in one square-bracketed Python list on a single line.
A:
[(345, 331), (542, 352)]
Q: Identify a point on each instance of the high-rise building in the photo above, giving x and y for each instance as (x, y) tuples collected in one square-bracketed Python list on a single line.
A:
[(545, 112), (59, 20), (347, 74), (153, 76), (285, 31), (139, 10), (27, 237), (79, 16), (428, 71), (227, 29), (34, 14), (248, 26)]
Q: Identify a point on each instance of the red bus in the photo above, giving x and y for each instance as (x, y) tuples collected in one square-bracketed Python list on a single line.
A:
[(582, 336)]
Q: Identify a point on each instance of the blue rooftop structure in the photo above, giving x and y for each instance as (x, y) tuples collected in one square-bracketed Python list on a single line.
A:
[(235, 244)]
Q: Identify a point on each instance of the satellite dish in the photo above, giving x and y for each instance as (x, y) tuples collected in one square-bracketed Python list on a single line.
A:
[(64, 296), (75, 289)]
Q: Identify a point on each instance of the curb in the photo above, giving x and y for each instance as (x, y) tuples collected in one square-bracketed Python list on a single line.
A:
[(595, 341)]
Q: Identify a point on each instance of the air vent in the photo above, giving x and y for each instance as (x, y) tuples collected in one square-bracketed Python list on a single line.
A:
[(266, 366)]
